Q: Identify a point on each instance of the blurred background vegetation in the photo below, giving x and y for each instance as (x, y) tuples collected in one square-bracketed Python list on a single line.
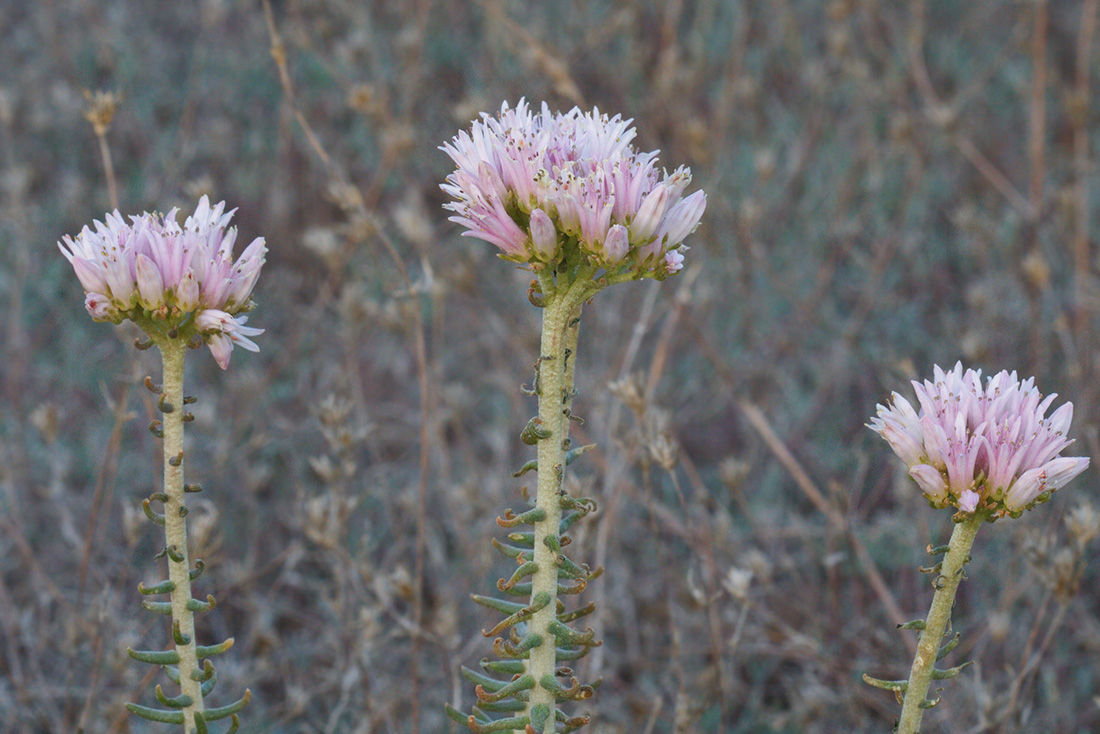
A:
[(890, 185)]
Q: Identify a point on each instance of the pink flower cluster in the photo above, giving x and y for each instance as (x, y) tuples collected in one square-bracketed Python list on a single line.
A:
[(543, 186), (990, 448), (162, 276)]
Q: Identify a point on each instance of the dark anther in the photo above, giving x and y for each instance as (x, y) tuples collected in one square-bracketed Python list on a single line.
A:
[(173, 333)]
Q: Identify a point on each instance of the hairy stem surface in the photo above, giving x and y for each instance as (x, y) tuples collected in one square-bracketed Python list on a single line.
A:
[(175, 528), (551, 466), (947, 583)]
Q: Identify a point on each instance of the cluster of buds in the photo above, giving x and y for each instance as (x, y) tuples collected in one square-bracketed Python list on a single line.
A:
[(990, 449), (172, 281), (551, 188)]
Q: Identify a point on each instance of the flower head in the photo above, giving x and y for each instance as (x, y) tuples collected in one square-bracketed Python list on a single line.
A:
[(524, 176), (976, 448), (172, 281)]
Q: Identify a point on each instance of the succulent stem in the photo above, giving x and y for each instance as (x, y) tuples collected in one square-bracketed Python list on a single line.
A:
[(175, 531), (556, 368), (946, 584)]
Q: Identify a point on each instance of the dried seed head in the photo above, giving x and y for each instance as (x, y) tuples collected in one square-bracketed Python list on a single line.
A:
[(101, 109)]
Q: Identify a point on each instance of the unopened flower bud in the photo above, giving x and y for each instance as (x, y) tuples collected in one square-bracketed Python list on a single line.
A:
[(616, 245), (544, 236)]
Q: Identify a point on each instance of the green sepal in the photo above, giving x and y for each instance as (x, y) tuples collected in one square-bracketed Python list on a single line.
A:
[(568, 636), (205, 651), (539, 714), (513, 552), (522, 683), (533, 432), (541, 600), (929, 703), (571, 570), (516, 723), (201, 728), (531, 465), (172, 673), (507, 649), (164, 717), (916, 624), (584, 611), (164, 587), (480, 679), (158, 607), (497, 605), (200, 566), (503, 707), (948, 647), (205, 674), (552, 542), (938, 550), (532, 516), (573, 454), (571, 724), (177, 634), (897, 686), (194, 605), (568, 520), (152, 386), (563, 654), (455, 715), (583, 505), (950, 672), (156, 428), (224, 711), (575, 691), (527, 539), (179, 702), (503, 667), (147, 508), (154, 657), (525, 569)]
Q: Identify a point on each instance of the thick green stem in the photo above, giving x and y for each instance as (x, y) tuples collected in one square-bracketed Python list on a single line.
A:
[(175, 528), (947, 583)]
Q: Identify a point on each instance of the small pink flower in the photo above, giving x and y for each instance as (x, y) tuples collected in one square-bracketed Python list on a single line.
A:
[(157, 273), (970, 446), (222, 332)]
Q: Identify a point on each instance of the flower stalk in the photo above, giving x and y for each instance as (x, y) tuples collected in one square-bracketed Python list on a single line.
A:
[(175, 528), (935, 625)]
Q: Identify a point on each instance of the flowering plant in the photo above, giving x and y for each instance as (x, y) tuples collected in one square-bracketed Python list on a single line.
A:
[(989, 452), (183, 288), (567, 197)]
